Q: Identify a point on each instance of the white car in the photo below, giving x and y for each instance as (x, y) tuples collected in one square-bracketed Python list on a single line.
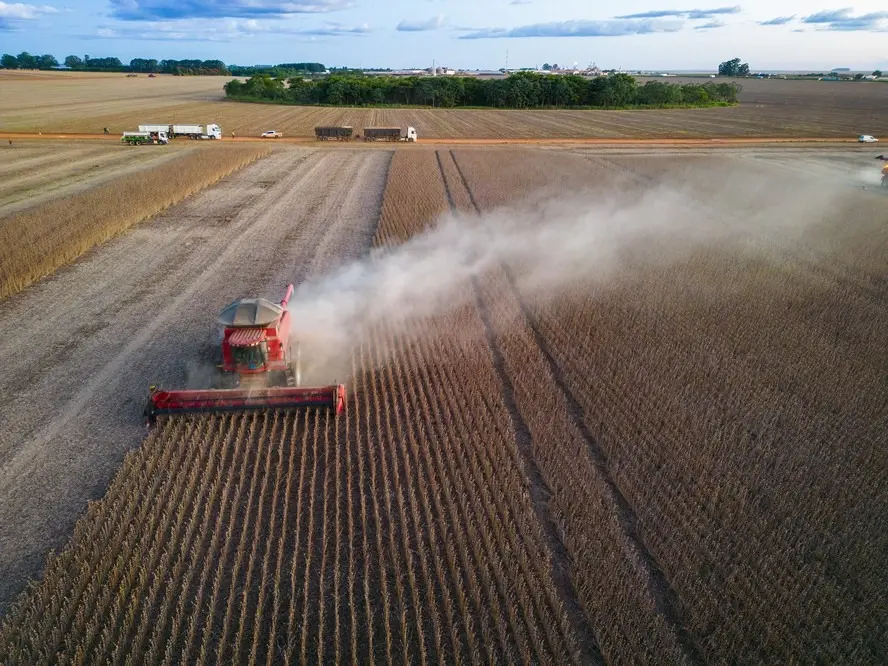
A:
[(866, 138), (271, 134)]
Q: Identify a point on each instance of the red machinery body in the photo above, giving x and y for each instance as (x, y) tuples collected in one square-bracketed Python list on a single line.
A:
[(261, 343), (222, 400), (259, 368)]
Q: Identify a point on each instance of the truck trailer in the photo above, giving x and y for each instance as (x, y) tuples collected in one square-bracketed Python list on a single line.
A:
[(336, 133), (389, 134), (209, 131), (140, 138)]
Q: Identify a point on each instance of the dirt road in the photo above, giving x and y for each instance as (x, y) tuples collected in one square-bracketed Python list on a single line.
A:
[(133, 312), (590, 141)]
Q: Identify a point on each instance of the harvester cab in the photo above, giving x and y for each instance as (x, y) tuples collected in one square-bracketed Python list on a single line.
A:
[(260, 367), (256, 345)]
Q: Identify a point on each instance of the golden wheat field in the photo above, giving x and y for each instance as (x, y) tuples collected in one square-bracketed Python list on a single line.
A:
[(604, 407), (87, 103)]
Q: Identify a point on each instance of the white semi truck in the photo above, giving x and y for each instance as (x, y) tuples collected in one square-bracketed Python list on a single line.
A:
[(209, 131)]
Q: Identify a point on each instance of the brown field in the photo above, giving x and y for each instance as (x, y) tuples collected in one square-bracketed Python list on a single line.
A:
[(74, 103), (665, 445), (113, 187)]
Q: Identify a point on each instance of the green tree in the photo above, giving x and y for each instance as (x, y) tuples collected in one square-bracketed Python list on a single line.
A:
[(877, 73), (47, 61), (733, 67), (8, 61), (26, 60), (74, 62)]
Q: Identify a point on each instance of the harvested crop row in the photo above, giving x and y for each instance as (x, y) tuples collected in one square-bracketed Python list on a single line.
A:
[(36, 242)]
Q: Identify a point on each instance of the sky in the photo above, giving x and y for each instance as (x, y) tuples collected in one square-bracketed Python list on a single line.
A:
[(470, 34)]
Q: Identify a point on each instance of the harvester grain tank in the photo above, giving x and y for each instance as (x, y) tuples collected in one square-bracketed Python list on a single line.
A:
[(141, 138), (343, 133), (260, 367), (389, 134)]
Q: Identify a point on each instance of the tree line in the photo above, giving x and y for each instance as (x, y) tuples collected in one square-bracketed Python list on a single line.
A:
[(25, 60), (523, 90), (286, 69)]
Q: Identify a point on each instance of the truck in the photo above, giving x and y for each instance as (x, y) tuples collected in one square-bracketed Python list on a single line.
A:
[(343, 133), (208, 131), (389, 134), (140, 138)]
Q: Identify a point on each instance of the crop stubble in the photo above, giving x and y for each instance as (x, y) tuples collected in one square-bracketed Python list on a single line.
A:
[(37, 241), (626, 473), (138, 310), (769, 108), (404, 531)]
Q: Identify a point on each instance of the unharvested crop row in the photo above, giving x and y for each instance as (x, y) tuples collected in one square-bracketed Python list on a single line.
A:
[(617, 585), (36, 242), (402, 532), (742, 424)]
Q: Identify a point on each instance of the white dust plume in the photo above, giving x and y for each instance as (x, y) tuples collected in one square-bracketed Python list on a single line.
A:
[(549, 244)]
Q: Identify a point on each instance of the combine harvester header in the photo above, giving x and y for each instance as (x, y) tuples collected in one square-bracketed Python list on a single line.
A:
[(260, 368)]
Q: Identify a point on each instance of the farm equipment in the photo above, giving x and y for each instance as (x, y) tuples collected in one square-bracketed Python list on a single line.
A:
[(209, 131), (260, 367), (140, 138), (336, 133), (389, 134)]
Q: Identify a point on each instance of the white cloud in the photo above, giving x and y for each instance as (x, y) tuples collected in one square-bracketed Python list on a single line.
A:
[(609, 28), (21, 11), (433, 23), (220, 30)]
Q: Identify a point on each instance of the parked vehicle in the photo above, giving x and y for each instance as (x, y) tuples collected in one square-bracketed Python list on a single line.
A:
[(271, 134), (141, 138), (343, 133), (389, 134), (210, 131)]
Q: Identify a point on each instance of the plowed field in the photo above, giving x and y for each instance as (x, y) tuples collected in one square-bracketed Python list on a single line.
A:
[(638, 417)]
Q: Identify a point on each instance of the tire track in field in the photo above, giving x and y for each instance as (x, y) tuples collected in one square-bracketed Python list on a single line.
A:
[(663, 595), (153, 312), (540, 493)]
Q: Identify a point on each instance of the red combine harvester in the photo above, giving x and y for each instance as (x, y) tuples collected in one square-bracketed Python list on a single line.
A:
[(260, 367)]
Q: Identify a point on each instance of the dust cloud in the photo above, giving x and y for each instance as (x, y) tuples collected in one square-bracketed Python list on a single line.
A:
[(551, 244)]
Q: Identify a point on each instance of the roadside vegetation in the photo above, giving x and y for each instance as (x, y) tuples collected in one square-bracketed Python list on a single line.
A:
[(524, 90), (38, 241)]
